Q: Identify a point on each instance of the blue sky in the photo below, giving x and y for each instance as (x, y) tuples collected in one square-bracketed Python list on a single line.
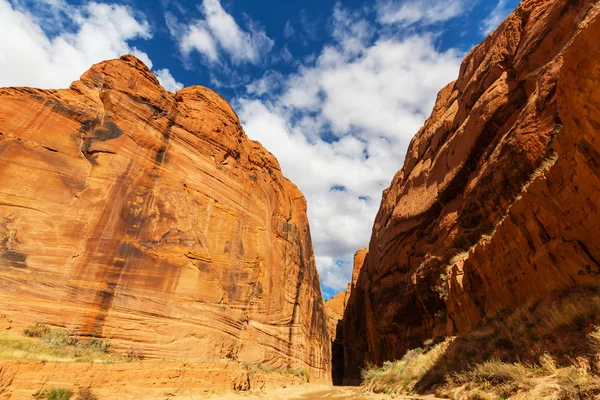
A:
[(334, 89)]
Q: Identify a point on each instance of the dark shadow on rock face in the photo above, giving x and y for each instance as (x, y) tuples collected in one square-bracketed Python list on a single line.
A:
[(337, 357)]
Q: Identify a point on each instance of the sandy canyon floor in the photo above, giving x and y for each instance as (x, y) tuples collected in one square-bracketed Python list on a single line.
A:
[(313, 392)]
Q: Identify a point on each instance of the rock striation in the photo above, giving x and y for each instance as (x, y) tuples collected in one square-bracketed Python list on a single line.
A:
[(497, 203), (148, 217)]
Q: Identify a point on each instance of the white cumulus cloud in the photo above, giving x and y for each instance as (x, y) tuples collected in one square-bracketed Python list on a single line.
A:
[(497, 15), (167, 81), (217, 33), (340, 127), (426, 12), (88, 34)]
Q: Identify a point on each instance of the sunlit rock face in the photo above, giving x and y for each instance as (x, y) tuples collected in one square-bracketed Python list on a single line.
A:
[(149, 218), (497, 203)]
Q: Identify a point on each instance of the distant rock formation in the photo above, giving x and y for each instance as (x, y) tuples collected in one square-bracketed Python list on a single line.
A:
[(335, 308), (337, 304), (359, 261), (149, 218), (497, 203)]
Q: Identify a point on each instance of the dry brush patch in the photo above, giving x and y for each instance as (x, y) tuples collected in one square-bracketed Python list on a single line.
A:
[(64, 394), (401, 376), (546, 350), (43, 343), (301, 372)]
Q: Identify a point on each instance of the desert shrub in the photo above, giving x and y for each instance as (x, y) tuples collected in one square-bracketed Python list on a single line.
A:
[(40, 342), (134, 353), (37, 331), (496, 372), (55, 339), (86, 394), (95, 344), (53, 394), (59, 339)]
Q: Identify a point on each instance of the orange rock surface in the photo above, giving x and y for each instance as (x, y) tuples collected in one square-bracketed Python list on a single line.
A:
[(138, 380), (497, 203), (147, 217), (335, 311), (359, 261)]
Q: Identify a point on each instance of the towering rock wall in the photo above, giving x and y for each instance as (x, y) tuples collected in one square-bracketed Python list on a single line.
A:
[(148, 217), (497, 203)]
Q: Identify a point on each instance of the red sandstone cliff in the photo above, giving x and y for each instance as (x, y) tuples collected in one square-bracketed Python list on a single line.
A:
[(148, 217), (497, 203)]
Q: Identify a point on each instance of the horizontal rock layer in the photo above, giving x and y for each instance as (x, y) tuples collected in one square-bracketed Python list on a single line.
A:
[(136, 214), (139, 380), (497, 203)]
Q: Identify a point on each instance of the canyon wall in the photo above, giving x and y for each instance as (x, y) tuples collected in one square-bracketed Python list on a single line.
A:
[(149, 218), (497, 203)]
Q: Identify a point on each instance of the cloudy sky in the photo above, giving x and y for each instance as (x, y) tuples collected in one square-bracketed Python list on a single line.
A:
[(334, 89)]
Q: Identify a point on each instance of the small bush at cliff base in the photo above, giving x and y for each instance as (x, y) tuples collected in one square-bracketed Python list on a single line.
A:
[(134, 354), (53, 394), (55, 339), (59, 339), (37, 330), (95, 344), (86, 394)]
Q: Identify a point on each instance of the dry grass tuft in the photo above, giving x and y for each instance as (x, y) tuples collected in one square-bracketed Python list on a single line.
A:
[(401, 376), (499, 380), (301, 372), (40, 342), (495, 379), (546, 350)]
